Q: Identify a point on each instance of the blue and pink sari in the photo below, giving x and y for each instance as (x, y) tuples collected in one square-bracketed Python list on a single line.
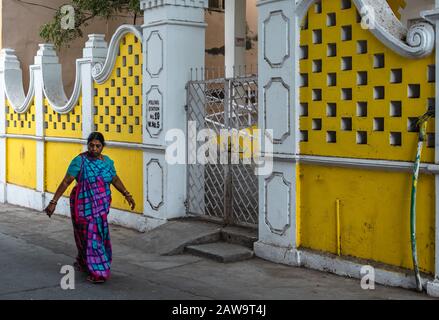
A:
[(90, 202)]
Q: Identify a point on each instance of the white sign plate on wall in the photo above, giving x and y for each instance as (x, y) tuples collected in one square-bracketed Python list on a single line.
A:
[(154, 111)]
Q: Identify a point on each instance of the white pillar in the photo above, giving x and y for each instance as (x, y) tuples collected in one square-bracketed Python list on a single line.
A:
[(173, 42), (235, 36), (46, 55), (278, 32), (433, 17), (95, 52)]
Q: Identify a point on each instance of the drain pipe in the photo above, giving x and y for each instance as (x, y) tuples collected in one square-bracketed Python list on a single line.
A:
[(422, 124)]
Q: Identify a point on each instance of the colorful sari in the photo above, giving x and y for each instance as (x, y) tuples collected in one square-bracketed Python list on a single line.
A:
[(90, 202)]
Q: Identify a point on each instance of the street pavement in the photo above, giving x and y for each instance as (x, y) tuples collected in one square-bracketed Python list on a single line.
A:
[(34, 248)]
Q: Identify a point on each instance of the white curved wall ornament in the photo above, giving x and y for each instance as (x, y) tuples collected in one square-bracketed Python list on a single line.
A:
[(107, 67), (417, 42), (12, 78), (47, 61)]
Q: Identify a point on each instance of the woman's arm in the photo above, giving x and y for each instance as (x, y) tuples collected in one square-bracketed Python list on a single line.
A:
[(68, 179), (118, 184)]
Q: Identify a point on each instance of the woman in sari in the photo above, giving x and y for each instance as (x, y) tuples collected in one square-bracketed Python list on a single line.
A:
[(90, 202)]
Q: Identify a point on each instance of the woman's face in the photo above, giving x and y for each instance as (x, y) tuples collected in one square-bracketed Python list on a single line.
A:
[(95, 148)]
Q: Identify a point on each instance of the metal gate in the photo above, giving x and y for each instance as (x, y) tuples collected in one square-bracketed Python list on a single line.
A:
[(228, 192)]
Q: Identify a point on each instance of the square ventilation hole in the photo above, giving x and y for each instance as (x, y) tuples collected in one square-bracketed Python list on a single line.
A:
[(317, 36), (412, 125), (362, 47), (346, 94), (332, 79), (361, 109), (318, 7), (362, 78), (303, 110), (346, 33), (378, 124), (346, 4), (395, 108), (414, 91), (331, 50), (317, 124), (317, 66), (346, 63), (317, 94), (304, 80), (361, 137), (378, 61), (303, 136), (431, 73), (430, 140), (395, 139), (346, 124), (396, 76), (331, 110), (303, 52), (378, 93), (331, 19), (331, 137)]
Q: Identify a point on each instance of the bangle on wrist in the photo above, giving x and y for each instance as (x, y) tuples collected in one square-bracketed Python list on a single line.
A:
[(53, 202)]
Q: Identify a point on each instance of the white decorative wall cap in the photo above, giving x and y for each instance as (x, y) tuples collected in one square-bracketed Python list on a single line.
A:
[(431, 15), (149, 4), (417, 42), (9, 60), (102, 71), (95, 47), (46, 54)]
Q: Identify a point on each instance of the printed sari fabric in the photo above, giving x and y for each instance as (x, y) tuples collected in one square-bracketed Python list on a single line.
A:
[(90, 203)]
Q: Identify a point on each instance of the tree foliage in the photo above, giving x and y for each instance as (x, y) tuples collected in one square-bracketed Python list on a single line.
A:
[(84, 12)]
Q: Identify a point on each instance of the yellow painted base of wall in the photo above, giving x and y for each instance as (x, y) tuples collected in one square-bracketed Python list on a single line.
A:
[(58, 157), (21, 162), (374, 214), (128, 164)]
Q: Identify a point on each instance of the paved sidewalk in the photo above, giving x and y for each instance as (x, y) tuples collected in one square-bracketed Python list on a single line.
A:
[(34, 248)]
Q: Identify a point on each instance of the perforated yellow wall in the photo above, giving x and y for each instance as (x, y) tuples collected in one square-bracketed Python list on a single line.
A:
[(358, 98), (118, 101), (63, 125), (20, 123)]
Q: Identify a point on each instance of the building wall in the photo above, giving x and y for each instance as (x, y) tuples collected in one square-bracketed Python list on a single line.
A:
[(360, 100)]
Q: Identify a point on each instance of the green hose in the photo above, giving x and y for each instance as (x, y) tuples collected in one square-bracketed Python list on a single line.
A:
[(422, 124), (422, 131)]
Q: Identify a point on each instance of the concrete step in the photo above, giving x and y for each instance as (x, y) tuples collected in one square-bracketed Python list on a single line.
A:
[(221, 251), (241, 236)]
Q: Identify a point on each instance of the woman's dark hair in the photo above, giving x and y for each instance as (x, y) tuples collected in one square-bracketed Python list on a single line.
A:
[(96, 136)]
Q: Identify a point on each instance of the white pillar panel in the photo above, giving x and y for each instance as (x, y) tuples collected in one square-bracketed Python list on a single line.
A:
[(235, 36), (173, 43), (39, 122), (278, 35), (95, 51)]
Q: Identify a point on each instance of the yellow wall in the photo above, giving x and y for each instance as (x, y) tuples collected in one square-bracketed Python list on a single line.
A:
[(128, 164), (56, 165), (21, 162), (374, 214)]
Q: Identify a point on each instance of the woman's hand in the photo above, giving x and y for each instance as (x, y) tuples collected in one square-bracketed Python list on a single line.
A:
[(130, 200), (50, 209)]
